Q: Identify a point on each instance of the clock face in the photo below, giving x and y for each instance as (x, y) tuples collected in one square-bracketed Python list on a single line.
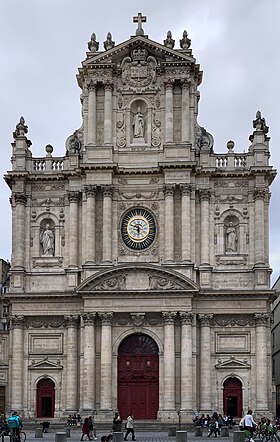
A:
[(138, 229)]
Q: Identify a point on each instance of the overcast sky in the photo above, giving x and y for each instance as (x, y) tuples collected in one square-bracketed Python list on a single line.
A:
[(42, 44)]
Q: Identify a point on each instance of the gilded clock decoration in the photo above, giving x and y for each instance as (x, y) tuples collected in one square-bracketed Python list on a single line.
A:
[(138, 229)]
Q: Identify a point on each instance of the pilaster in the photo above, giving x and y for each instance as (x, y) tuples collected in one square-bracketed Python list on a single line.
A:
[(72, 363), (89, 379), (169, 110), (205, 362), (169, 222), (107, 192), (17, 325), (106, 360)]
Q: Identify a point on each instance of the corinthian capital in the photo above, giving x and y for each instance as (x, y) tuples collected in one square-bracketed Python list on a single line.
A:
[(90, 191), (206, 320), (169, 317), (73, 197), (71, 320), (186, 318), (89, 318), (204, 195), (17, 321), (106, 317), (107, 191), (20, 198), (262, 319)]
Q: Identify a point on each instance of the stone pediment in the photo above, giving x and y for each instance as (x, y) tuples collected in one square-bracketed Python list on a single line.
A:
[(142, 278), (123, 49), (45, 364), (233, 363)]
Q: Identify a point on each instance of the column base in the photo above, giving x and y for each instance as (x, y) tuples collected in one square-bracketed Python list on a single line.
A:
[(187, 416), (168, 416)]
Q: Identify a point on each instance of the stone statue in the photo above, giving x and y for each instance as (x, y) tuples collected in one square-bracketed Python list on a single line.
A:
[(109, 43), (231, 238), (185, 42), (75, 144), (138, 125), (169, 42), (47, 241)]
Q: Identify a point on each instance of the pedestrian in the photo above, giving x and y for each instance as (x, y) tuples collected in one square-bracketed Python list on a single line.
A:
[(117, 423), (213, 426), (130, 427), (92, 428), (249, 424), (85, 429)]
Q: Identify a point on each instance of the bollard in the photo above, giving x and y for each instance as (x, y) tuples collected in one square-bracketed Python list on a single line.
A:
[(67, 431), (238, 436), (6, 439), (38, 433), (172, 432), (60, 436), (224, 432), (181, 436), (118, 436), (198, 430)]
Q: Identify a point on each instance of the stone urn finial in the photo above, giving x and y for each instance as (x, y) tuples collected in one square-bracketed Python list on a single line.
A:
[(49, 150), (230, 145)]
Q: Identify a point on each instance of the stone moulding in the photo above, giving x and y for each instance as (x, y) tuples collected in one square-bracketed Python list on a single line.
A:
[(47, 261)]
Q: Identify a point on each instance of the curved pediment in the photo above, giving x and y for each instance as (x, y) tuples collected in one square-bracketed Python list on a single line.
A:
[(137, 278)]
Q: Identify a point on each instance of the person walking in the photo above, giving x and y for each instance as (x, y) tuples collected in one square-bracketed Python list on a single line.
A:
[(117, 423), (130, 427), (85, 429), (92, 428), (249, 424)]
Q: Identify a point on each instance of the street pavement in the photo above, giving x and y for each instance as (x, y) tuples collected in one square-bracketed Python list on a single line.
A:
[(75, 436)]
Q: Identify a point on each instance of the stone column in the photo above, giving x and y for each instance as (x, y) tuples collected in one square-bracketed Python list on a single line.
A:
[(205, 362), (185, 110), (169, 360), (261, 321), (72, 363), (20, 200), (91, 112), (107, 223), (169, 222), (106, 360), (169, 111), (204, 223), (259, 196), (89, 362), (186, 361), (108, 86), (90, 224), (73, 227), (17, 325), (186, 222)]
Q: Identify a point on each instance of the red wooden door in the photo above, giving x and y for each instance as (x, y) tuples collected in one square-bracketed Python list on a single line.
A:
[(138, 377), (45, 398), (232, 397)]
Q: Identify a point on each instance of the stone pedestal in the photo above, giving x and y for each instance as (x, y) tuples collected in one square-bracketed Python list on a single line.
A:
[(172, 432), (118, 436), (198, 431), (38, 432), (238, 436), (181, 436), (60, 436), (224, 432)]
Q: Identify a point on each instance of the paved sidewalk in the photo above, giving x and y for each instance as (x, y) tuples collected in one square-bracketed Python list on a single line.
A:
[(140, 436)]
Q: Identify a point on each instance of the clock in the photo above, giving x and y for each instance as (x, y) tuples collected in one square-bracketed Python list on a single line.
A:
[(138, 229)]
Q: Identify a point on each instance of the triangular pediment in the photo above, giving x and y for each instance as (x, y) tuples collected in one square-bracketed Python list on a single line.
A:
[(123, 49), (45, 364), (142, 278), (232, 363)]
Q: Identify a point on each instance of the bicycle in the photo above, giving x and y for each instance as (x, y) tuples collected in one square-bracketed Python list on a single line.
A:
[(17, 436)]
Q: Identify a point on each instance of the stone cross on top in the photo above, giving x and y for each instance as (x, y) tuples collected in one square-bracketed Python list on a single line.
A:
[(139, 19)]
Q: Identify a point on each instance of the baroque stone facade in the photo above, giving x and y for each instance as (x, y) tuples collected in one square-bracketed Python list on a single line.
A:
[(140, 258)]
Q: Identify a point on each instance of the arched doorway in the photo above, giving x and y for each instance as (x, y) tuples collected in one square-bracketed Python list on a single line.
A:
[(138, 377), (232, 397), (45, 398)]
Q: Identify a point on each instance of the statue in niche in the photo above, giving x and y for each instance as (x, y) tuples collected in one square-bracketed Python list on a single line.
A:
[(47, 241), (138, 124), (231, 238)]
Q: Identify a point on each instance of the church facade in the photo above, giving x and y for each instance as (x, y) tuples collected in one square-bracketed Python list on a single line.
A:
[(140, 276)]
